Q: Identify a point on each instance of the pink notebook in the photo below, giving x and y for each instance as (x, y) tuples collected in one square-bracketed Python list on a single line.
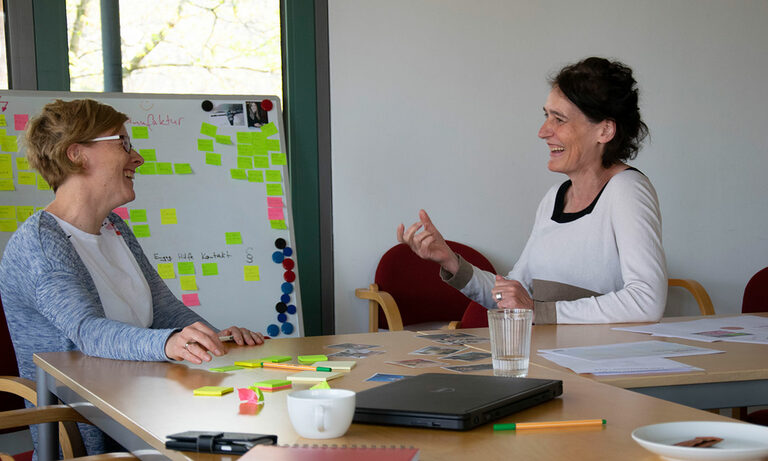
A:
[(326, 453)]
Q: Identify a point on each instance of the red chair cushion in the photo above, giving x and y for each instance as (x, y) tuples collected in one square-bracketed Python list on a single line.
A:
[(475, 316), (756, 293), (417, 288)]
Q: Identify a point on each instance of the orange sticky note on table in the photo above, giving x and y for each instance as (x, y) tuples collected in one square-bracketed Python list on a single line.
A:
[(190, 299)]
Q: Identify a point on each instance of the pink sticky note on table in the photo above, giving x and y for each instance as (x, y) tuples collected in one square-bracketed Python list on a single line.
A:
[(275, 202), (20, 121), (122, 212), (275, 213), (190, 299)]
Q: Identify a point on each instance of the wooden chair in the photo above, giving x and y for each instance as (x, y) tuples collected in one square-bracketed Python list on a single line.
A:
[(408, 293)]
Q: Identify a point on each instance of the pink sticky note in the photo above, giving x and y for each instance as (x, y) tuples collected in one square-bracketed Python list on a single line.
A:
[(275, 213), (122, 212), (190, 299), (20, 121), (275, 202)]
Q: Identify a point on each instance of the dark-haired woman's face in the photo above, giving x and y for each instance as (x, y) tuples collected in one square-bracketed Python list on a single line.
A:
[(572, 138)]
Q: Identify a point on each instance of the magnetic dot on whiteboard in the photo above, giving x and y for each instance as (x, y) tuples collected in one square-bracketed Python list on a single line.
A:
[(282, 318), (291, 309), (277, 257), (280, 307), (273, 330), (285, 298), (287, 328), (280, 243), (287, 251), (288, 264), (287, 287)]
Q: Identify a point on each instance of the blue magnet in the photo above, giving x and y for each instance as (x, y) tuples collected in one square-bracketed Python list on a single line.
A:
[(287, 328), (287, 251), (282, 318), (285, 298), (291, 309), (287, 287), (273, 330), (277, 257)]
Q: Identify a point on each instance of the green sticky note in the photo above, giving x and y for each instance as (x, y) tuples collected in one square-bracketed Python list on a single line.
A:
[(212, 159), (41, 184), (24, 212), (271, 385), (269, 129), (164, 168), (186, 268), (7, 212), (274, 189), (278, 224), (279, 158), (259, 143), (138, 215), (27, 178), (188, 282), (261, 161), (233, 238), (245, 150), (276, 358), (243, 137), (205, 144), (141, 231), (225, 369), (255, 176), (208, 129), (6, 166), (182, 168), (309, 359), (223, 139), (139, 132), (210, 269), (238, 173), (245, 163), (7, 184), (22, 163), (321, 385), (212, 391), (166, 270), (273, 144), (8, 226), (168, 216), (9, 144), (147, 168), (273, 176), (251, 273), (149, 155)]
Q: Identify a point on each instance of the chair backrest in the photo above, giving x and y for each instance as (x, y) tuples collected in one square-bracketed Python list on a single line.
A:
[(416, 286), (756, 293)]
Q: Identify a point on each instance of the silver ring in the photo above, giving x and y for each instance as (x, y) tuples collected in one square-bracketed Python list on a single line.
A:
[(498, 296), (186, 345)]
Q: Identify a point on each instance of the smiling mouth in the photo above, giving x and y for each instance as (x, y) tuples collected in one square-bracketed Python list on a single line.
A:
[(556, 150), (129, 174)]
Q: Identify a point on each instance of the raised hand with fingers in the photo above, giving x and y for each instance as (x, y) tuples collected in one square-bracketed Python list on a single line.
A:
[(429, 243), (243, 336)]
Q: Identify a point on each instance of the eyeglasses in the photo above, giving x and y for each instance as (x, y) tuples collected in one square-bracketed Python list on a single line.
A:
[(124, 138)]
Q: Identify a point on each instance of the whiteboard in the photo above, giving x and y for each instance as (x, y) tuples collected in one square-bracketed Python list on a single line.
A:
[(212, 209)]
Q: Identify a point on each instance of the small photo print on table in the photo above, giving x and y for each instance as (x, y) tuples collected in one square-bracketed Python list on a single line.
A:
[(470, 368), (385, 377), (468, 356), (436, 350)]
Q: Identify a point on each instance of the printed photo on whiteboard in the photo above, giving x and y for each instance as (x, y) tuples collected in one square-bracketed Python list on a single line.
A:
[(256, 116), (227, 115)]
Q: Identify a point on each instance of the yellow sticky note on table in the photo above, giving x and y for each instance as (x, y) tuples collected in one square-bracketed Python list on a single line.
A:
[(6, 166), (212, 391), (149, 155), (141, 231), (164, 168), (238, 173), (8, 226), (269, 129), (166, 270), (168, 216), (138, 215), (274, 189), (7, 212), (251, 273), (188, 282), (249, 363), (210, 269), (208, 129), (186, 267), (233, 238), (261, 161), (255, 176), (24, 212), (246, 163), (7, 184), (314, 376), (27, 178), (139, 132), (279, 158), (182, 168), (212, 158), (273, 176), (22, 163), (205, 144)]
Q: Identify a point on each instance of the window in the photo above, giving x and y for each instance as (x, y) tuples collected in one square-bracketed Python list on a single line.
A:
[(181, 46), (3, 57)]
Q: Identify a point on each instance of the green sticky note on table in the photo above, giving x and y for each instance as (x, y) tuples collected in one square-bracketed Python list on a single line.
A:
[(251, 273), (210, 269), (139, 132), (182, 168), (212, 391), (233, 238), (138, 215), (22, 163), (205, 144), (208, 129), (273, 176), (168, 216), (166, 271), (147, 168), (269, 129), (188, 282), (186, 268), (141, 231), (27, 178), (24, 212), (212, 158), (225, 369), (223, 139), (164, 168), (255, 176), (149, 155), (279, 158), (245, 163), (261, 161), (238, 173), (274, 189), (272, 385), (321, 385), (276, 358), (309, 359)]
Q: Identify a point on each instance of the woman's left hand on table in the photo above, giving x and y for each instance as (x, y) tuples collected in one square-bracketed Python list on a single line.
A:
[(510, 294)]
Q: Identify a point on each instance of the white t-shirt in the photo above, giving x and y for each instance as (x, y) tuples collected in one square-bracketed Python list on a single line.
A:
[(122, 288)]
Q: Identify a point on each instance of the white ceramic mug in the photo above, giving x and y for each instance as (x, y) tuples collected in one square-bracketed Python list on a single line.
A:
[(321, 413)]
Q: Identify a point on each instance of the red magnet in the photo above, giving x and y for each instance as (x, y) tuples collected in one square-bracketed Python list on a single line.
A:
[(266, 104), (289, 276), (288, 264)]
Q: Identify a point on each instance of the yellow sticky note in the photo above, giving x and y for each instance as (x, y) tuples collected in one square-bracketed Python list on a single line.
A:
[(212, 391), (8, 226), (273, 176), (7, 212), (9, 144), (27, 178), (251, 273), (233, 238), (261, 161), (147, 168), (255, 176), (149, 155), (238, 173), (138, 215), (41, 184), (166, 270), (278, 224), (188, 282), (141, 231), (274, 189), (2, 120), (139, 132), (24, 212), (6, 166), (168, 216), (22, 163), (164, 168), (7, 184), (210, 269), (208, 129), (269, 129), (212, 159), (205, 144), (182, 168), (186, 267), (245, 163), (279, 158)]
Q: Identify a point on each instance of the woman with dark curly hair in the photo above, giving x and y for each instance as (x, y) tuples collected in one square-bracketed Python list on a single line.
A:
[(595, 253)]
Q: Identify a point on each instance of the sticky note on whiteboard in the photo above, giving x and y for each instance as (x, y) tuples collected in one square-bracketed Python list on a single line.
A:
[(251, 273), (233, 238), (139, 132), (168, 216), (274, 201), (275, 213), (166, 271), (20, 121), (190, 299), (188, 282)]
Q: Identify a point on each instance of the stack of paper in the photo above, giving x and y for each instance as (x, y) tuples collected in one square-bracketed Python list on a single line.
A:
[(742, 329), (625, 358)]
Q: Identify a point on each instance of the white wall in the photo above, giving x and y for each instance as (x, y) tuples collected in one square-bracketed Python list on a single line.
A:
[(436, 104)]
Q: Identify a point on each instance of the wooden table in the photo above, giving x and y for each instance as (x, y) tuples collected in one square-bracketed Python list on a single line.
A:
[(139, 403)]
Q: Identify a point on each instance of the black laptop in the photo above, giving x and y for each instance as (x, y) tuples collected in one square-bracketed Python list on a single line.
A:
[(451, 401)]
